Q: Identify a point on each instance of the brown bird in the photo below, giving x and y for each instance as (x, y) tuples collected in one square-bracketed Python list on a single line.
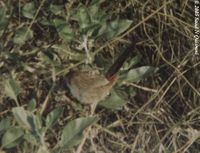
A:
[(89, 88)]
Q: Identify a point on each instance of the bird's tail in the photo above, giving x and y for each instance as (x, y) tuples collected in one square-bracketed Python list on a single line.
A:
[(112, 71)]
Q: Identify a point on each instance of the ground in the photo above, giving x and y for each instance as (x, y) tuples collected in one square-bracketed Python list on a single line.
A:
[(153, 108)]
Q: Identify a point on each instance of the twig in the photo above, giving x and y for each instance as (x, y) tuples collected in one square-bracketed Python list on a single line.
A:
[(143, 88), (44, 105)]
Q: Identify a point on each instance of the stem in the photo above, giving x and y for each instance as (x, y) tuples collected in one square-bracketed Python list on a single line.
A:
[(80, 147), (85, 45), (45, 103)]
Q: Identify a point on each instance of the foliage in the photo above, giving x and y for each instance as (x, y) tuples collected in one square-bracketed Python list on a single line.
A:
[(31, 128), (154, 106)]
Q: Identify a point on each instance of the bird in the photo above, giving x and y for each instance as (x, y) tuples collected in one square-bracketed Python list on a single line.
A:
[(90, 88)]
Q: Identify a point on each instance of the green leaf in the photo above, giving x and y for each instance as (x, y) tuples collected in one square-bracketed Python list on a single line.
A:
[(5, 124), (27, 119), (56, 9), (11, 137), (72, 132), (93, 10), (53, 116), (31, 139), (21, 117), (82, 16), (29, 10), (35, 122), (66, 52), (96, 16), (45, 21), (12, 88), (113, 102), (133, 62), (115, 28), (3, 18), (91, 30), (22, 35), (125, 92), (64, 30), (138, 74), (31, 105)]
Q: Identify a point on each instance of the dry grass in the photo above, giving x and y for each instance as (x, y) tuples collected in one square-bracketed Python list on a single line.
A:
[(163, 116)]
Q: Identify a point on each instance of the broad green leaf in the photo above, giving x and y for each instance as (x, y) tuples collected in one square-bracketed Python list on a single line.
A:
[(5, 124), (125, 92), (35, 122), (64, 30), (3, 18), (66, 33), (113, 102), (29, 10), (12, 88), (133, 62), (82, 16), (56, 9), (22, 35), (21, 117), (97, 16), (31, 138), (101, 18), (101, 32), (116, 27), (91, 30), (11, 137), (31, 105), (93, 10), (27, 119), (53, 116), (45, 21), (138, 74), (72, 132), (94, 32), (67, 52)]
